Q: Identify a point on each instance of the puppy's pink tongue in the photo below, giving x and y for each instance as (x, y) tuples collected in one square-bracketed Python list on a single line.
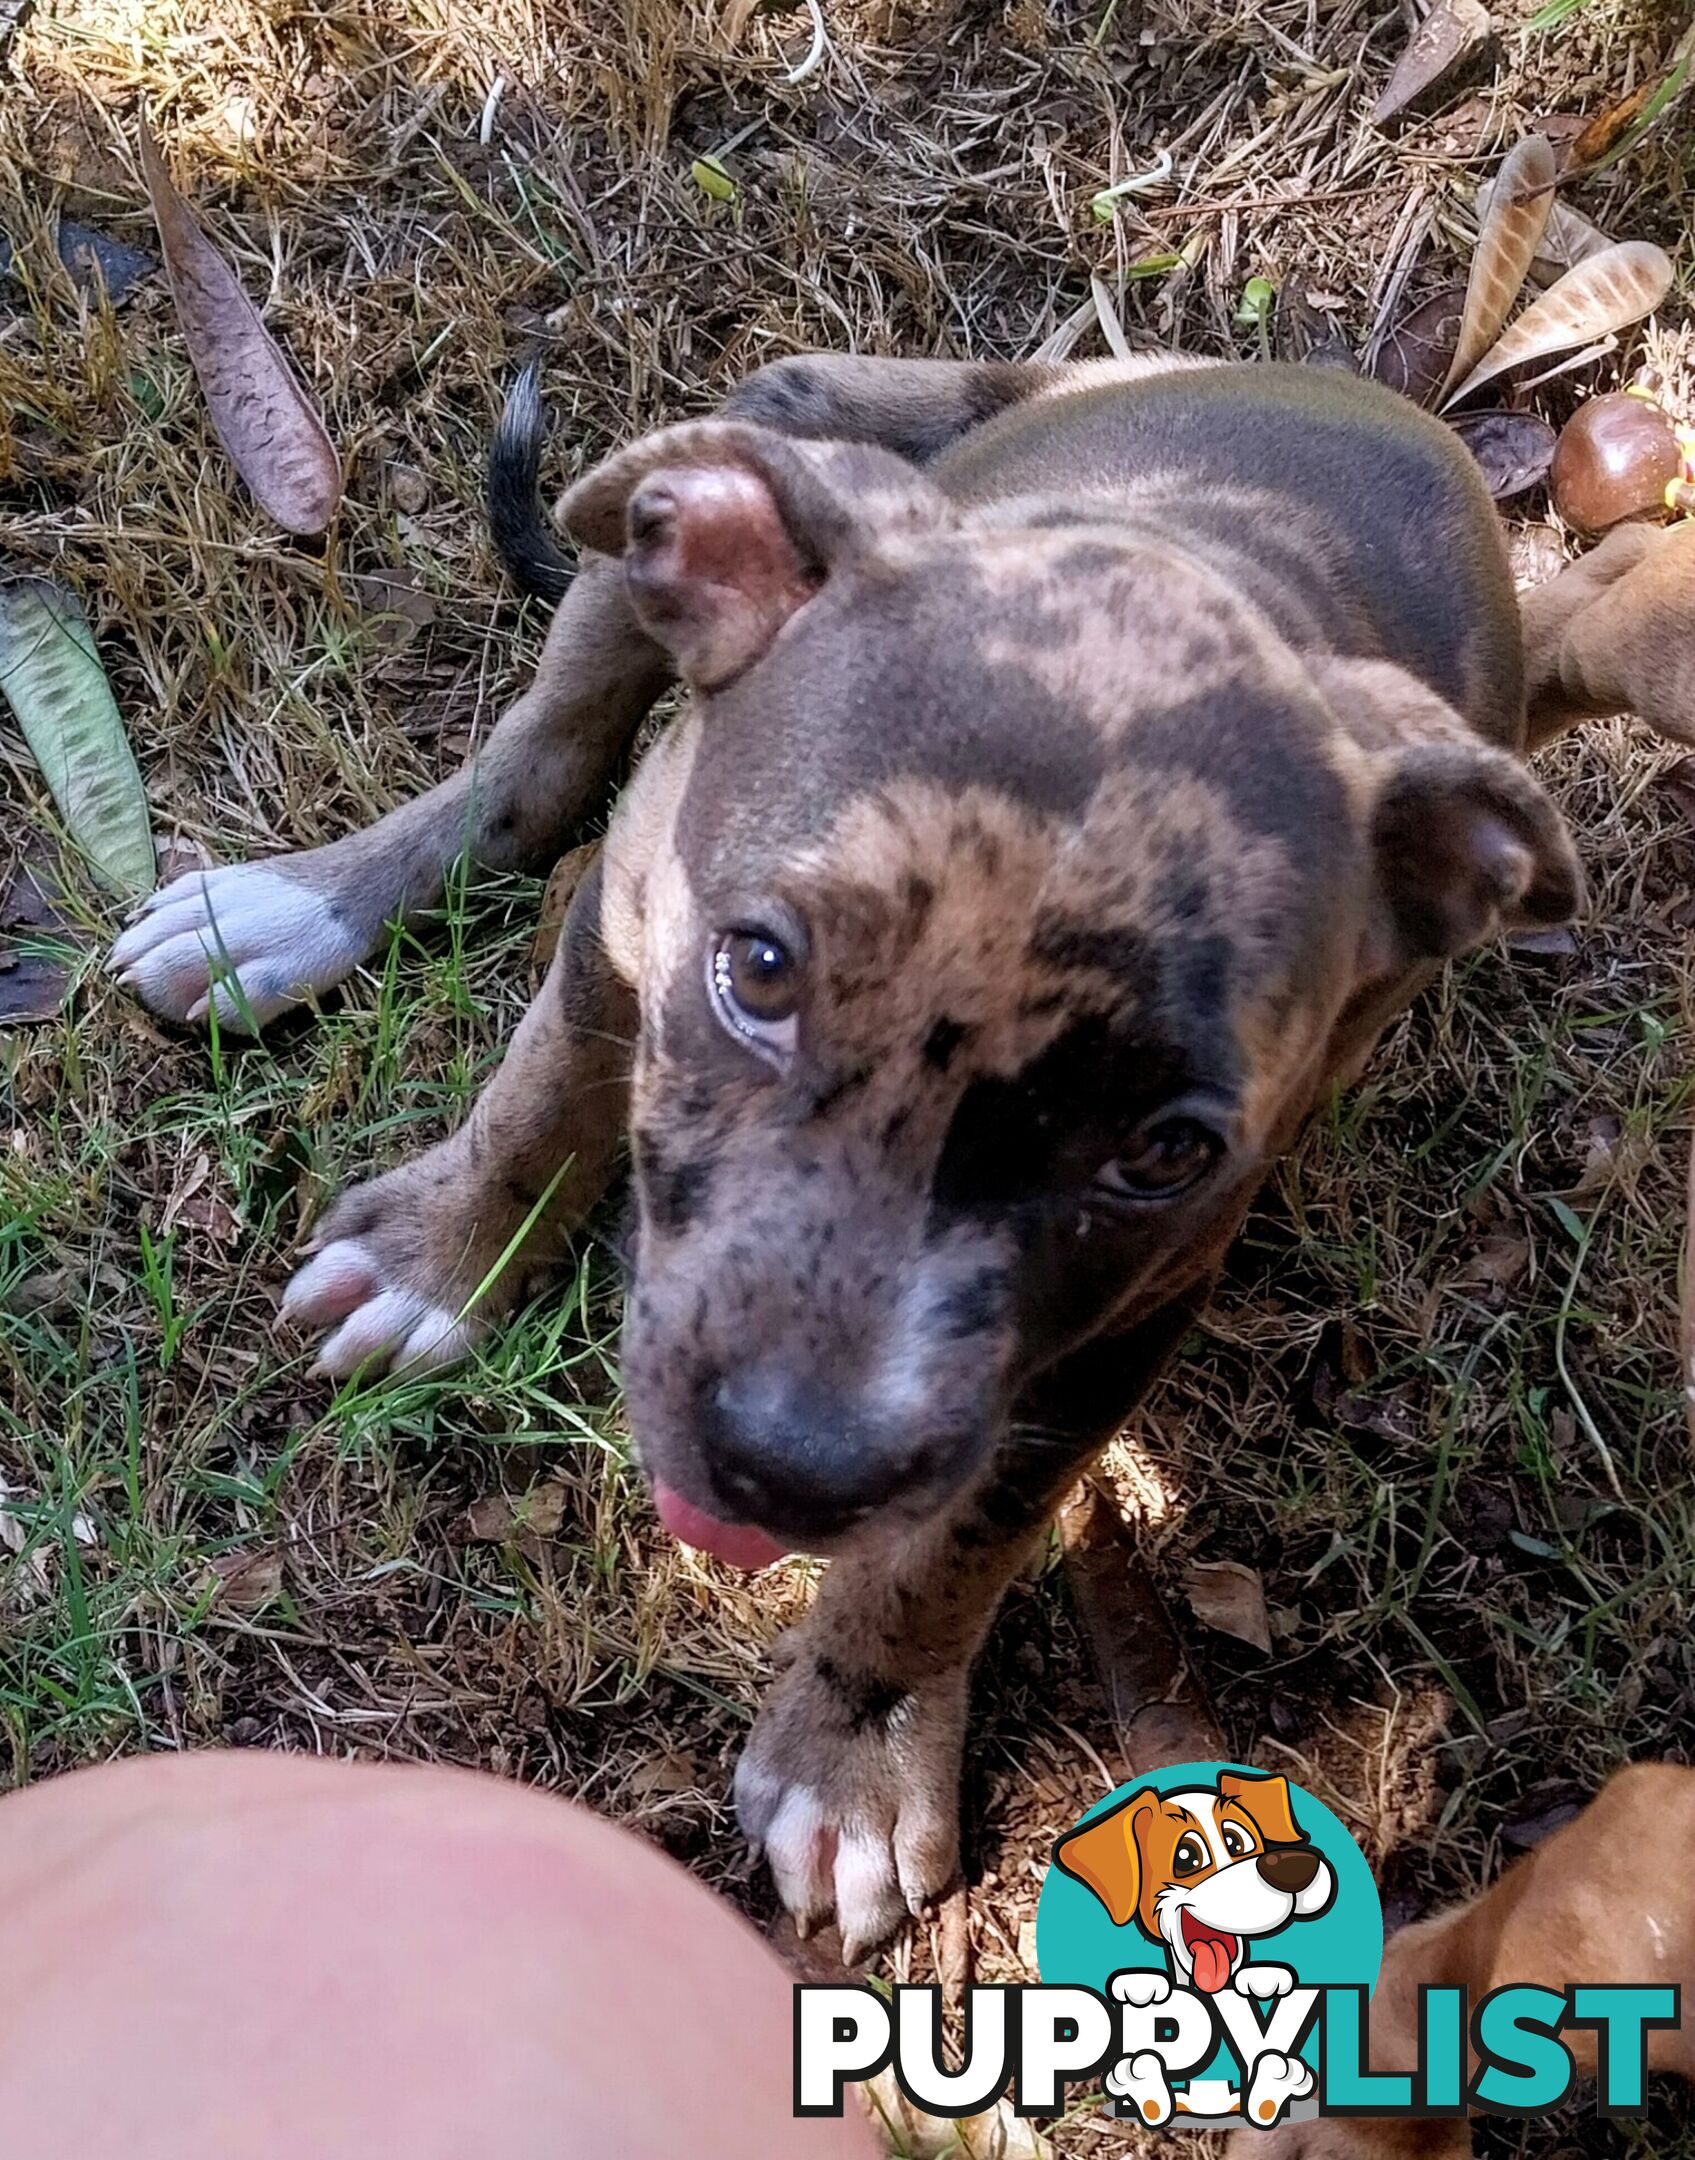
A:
[(740, 1544), (1212, 1962)]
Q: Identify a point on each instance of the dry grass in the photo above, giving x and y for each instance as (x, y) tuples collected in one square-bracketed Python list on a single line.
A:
[(1437, 1405)]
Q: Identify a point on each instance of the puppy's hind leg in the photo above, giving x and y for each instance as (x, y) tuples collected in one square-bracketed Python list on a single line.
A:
[(1615, 633), (253, 938)]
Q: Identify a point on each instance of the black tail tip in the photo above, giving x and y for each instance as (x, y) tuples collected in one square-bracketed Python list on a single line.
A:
[(522, 533)]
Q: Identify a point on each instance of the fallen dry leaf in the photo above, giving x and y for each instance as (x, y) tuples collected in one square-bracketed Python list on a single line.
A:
[(37, 952), (663, 1777), (248, 1581), (568, 873), (14, 1531), (1601, 1154), (1312, 335), (1231, 1598), (1569, 238), (1415, 356), (1497, 1263), (193, 1201), (401, 606), (264, 418), (1619, 127), (1453, 33), (1610, 124), (495, 1518)]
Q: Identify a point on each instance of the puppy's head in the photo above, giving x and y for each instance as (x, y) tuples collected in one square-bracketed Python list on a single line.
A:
[(1015, 893), (1204, 1871)]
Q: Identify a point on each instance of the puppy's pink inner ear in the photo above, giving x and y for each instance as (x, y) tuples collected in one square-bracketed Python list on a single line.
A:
[(711, 567)]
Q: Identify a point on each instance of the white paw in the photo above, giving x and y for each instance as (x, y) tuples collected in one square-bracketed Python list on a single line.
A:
[(862, 1822), (199, 937), (870, 1872), (1264, 1981), (385, 1326), (1277, 2080), (1141, 2080), (1144, 1989)]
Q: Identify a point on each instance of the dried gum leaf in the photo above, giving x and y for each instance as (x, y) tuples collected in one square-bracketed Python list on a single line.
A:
[(264, 418), (1231, 1598)]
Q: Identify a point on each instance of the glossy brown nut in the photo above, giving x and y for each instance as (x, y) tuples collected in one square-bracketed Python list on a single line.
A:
[(1614, 460)]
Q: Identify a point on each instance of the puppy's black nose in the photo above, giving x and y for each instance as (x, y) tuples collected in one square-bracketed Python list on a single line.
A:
[(787, 1453), (1289, 1870)]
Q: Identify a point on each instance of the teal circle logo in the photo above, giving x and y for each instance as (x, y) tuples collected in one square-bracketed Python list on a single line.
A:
[(1201, 1896)]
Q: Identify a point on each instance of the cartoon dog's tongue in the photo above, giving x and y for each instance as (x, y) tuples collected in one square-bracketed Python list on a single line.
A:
[(738, 1543), (1213, 1951)]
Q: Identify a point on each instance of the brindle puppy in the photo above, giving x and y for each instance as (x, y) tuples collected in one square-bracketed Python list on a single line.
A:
[(1083, 764)]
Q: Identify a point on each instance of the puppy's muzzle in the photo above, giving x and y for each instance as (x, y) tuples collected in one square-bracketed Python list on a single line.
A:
[(784, 1449), (1289, 1870)]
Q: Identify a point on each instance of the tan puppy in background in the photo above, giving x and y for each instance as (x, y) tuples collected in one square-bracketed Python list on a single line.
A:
[(1592, 1904)]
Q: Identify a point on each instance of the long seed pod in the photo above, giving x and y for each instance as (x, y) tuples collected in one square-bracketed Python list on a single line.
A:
[(1507, 240), (263, 417), (1608, 292), (51, 677)]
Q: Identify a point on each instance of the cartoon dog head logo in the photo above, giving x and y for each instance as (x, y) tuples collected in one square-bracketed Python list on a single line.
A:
[(1204, 1870)]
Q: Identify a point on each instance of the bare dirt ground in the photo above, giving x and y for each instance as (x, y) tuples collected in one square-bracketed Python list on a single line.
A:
[(1436, 1403)]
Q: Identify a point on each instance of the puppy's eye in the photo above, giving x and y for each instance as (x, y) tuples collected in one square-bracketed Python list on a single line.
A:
[(1165, 1157), (1236, 1840), (755, 983), (1190, 1855)]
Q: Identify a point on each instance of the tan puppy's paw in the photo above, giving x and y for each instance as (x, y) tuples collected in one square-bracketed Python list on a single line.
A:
[(246, 940), (398, 1263), (851, 1786)]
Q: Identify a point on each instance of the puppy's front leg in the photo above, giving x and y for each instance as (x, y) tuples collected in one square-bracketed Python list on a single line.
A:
[(294, 924), (850, 1778), (1615, 632), (402, 1257)]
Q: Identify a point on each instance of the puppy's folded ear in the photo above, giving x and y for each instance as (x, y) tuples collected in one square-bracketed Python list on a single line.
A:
[(728, 530), (1105, 1855), (1470, 843), (1267, 1801), (1466, 839)]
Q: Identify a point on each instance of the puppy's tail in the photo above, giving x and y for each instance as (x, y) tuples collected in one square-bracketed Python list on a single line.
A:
[(522, 531)]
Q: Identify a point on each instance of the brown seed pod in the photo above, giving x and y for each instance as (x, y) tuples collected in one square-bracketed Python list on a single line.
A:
[(1615, 458)]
